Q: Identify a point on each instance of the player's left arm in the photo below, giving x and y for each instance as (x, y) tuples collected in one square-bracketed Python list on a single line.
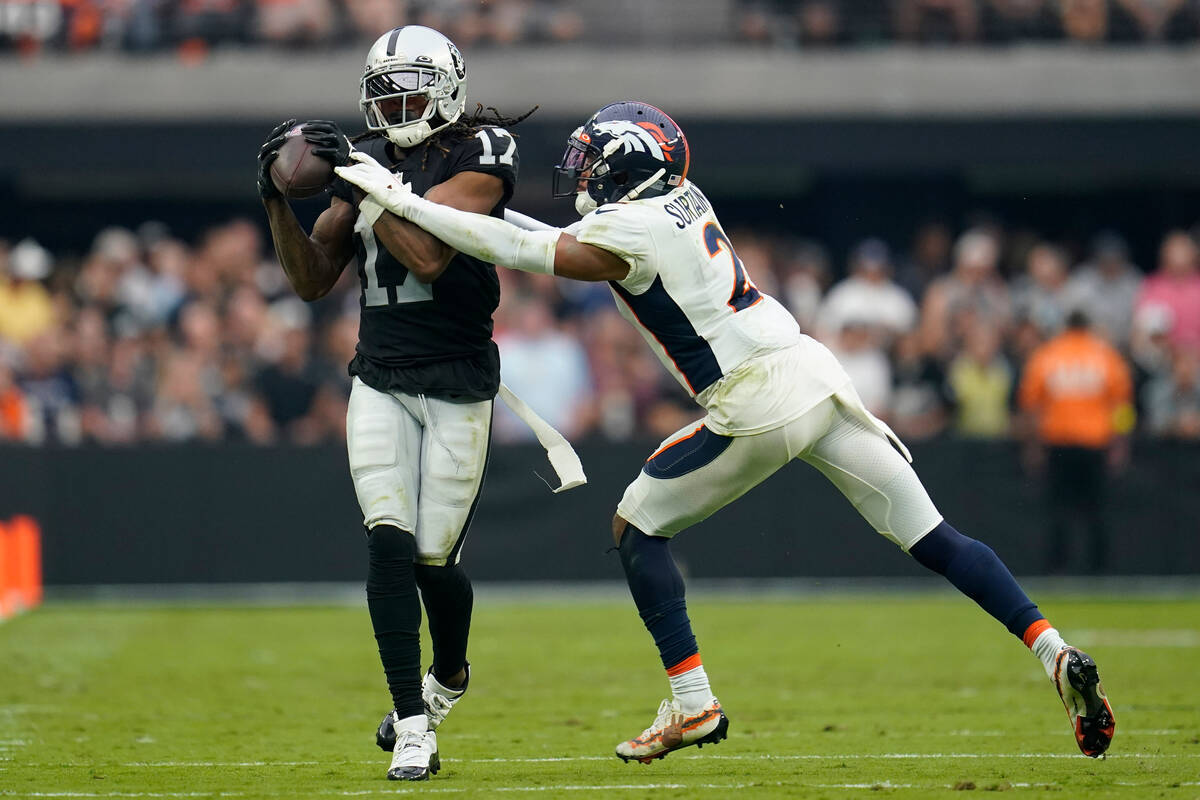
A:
[(424, 254), (550, 252)]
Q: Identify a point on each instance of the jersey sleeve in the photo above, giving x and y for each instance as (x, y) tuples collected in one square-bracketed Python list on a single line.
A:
[(341, 190), (492, 151), (623, 231)]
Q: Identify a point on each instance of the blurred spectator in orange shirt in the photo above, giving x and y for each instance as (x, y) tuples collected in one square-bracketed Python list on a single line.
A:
[(1077, 389)]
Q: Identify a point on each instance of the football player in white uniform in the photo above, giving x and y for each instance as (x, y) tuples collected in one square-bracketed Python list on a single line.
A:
[(771, 395)]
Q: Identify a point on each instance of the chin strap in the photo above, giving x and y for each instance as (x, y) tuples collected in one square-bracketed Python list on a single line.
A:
[(646, 184)]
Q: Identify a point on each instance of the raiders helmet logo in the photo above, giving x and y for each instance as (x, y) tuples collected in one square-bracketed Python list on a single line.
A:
[(456, 59)]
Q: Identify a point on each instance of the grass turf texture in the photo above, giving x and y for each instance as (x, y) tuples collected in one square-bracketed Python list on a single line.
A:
[(908, 695)]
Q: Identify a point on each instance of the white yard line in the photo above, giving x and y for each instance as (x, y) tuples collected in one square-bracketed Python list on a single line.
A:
[(1137, 637), (609, 787), (784, 757)]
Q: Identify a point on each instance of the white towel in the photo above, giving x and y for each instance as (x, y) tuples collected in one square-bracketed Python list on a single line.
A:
[(562, 456)]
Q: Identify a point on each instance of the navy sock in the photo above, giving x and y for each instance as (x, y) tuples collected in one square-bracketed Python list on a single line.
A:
[(396, 614), (657, 589), (976, 571), (448, 598)]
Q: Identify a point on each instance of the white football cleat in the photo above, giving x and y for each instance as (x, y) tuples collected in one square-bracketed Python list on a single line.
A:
[(439, 699), (673, 729), (1078, 684), (415, 756)]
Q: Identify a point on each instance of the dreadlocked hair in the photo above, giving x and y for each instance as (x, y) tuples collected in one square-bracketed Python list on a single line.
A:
[(466, 127)]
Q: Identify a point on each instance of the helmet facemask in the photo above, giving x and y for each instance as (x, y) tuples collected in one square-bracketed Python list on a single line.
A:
[(583, 163), (392, 88), (404, 65)]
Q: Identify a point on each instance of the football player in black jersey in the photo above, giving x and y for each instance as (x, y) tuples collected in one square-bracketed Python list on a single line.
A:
[(426, 369)]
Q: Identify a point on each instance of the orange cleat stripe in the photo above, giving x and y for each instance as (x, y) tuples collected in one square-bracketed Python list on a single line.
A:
[(700, 720)]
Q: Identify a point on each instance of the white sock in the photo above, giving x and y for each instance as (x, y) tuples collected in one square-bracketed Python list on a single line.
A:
[(691, 689), (1046, 647), (418, 723)]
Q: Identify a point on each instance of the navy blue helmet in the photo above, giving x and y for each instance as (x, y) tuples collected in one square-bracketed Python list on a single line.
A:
[(627, 150)]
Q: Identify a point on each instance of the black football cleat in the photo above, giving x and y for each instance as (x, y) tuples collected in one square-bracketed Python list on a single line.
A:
[(385, 736), (1078, 684)]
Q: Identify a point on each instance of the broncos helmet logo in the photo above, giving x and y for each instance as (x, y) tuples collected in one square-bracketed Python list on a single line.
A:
[(634, 137), (628, 150)]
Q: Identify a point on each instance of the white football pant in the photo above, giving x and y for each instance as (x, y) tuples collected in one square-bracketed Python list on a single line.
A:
[(699, 472), (418, 463)]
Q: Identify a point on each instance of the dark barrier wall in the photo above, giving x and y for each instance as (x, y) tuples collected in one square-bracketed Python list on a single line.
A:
[(233, 513)]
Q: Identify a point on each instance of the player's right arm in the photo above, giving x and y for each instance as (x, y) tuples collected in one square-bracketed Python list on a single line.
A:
[(551, 252), (587, 262), (311, 263)]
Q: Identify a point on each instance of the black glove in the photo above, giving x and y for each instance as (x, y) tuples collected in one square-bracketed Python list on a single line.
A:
[(268, 153), (328, 141)]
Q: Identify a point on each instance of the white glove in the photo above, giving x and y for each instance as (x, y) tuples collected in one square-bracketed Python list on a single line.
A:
[(486, 238), (380, 184)]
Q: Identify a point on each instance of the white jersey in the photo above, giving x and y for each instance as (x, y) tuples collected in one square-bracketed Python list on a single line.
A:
[(738, 351)]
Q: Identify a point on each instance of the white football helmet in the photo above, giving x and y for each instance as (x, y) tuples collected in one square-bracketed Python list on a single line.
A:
[(412, 61)]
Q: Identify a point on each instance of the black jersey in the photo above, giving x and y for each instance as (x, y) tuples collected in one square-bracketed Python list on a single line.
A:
[(433, 338)]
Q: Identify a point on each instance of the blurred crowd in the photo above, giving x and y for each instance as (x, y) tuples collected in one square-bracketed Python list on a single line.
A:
[(192, 27), (148, 338), (848, 22)]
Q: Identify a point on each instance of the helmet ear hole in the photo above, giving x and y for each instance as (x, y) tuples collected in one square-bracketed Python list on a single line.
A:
[(620, 178)]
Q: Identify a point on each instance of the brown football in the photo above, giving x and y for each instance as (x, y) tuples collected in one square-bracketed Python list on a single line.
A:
[(296, 171)]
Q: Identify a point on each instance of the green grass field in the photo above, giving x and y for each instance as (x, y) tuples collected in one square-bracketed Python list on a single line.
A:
[(908, 695)]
